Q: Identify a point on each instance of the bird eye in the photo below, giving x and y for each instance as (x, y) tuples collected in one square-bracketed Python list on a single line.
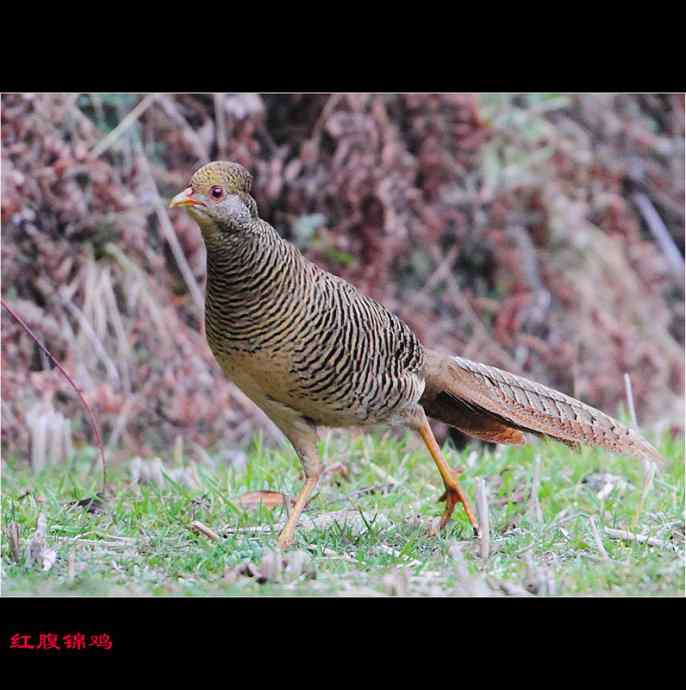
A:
[(217, 192)]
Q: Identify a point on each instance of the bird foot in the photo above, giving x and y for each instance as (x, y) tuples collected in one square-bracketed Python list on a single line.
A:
[(284, 541), (452, 497)]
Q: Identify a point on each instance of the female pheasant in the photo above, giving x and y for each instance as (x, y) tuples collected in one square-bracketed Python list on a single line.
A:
[(311, 350)]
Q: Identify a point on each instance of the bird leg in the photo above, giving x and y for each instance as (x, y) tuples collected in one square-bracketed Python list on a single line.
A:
[(453, 492), (286, 537), (304, 443)]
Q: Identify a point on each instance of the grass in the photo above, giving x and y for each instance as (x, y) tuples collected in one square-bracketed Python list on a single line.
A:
[(140, 541)]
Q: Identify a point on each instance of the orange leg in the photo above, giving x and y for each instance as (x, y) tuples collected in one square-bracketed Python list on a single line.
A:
[(286, 537), (453, 493)]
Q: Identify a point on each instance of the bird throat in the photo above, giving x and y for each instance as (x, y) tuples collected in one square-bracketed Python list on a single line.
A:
[(247, 273)]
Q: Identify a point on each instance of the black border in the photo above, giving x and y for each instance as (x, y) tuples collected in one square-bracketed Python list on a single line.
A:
[(276, 627)]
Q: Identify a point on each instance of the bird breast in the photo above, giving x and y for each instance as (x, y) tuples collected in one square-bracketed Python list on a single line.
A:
[(286, 331)]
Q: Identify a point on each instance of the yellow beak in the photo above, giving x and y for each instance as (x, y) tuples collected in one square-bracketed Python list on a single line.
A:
[(185, 198)]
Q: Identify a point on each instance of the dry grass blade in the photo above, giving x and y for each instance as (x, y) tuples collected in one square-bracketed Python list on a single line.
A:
[(640, 538), (630, 399), (120, 423), (263, 529), (199, 528), (330, 553), (382, 489), (484, 521), (170, 234), (95, 542), (50, 436), (37, 550), (92, 336), (126, 122), (535, 504), (13, 538), (472, 459), (169, 106), (598, 540), (147, 471), (661, 234), (349, 518), (79, 392), (396, 554), (468, 584), (650, 469), (539, 580), (71, 566)]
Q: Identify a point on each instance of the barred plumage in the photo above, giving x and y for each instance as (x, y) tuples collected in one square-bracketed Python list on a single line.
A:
[(526, 405), (349, 361), (310, 350)]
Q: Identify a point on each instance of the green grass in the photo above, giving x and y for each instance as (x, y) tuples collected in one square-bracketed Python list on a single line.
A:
[(141, 543)]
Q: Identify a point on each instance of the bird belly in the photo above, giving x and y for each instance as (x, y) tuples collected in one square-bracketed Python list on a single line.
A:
[(281, 391)]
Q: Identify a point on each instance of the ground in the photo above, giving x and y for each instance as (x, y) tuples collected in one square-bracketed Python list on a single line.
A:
[(365, 533)]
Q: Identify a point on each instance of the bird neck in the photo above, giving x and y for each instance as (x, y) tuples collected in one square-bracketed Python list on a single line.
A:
[(247, 260), (248, 276)]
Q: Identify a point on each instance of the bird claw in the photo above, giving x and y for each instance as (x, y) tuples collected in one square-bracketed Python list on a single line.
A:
[(452, 498), (284, 541), (437, 525)]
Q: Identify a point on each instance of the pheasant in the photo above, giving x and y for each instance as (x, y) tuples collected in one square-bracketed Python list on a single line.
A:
[(311, 350)]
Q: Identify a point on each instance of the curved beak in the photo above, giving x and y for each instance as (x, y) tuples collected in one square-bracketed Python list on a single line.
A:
[(185, 198)]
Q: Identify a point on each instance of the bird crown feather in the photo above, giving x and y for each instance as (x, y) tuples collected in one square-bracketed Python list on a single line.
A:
[(232, 176)]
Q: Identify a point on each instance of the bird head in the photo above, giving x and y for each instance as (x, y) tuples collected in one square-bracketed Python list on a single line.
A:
[(218, 198)]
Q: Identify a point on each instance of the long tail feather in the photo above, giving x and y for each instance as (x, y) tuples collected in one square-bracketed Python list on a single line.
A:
[(483, 397)]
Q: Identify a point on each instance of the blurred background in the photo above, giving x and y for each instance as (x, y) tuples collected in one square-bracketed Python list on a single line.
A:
[(540, 233)]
